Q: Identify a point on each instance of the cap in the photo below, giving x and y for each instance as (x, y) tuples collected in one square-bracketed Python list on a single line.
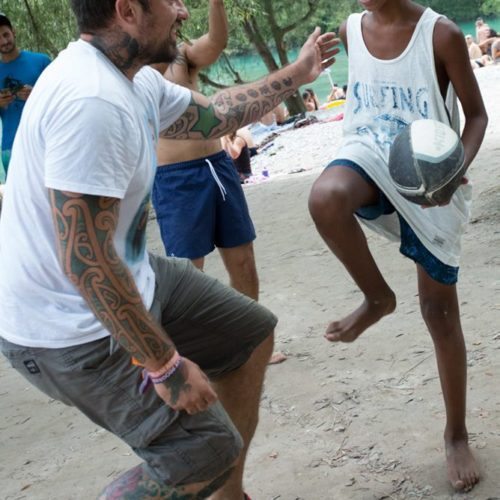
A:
[(4, 20)]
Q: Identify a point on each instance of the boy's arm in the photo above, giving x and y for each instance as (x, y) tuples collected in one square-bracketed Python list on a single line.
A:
[(233, 108), (205, 50), (343, 35), (452, 62)]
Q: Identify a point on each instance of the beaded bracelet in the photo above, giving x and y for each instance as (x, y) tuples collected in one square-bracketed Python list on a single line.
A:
[(148, 378), (167, 374), (166, 367)]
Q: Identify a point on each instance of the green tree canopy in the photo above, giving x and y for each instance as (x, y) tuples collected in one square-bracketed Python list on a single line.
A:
[(41, 25), (48, 25), (266, 27)]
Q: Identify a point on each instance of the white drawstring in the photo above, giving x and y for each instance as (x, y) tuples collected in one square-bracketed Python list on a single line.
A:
[(217, 180)]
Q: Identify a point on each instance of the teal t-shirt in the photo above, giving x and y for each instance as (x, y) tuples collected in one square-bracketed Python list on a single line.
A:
[(24, 70), (2, 169)]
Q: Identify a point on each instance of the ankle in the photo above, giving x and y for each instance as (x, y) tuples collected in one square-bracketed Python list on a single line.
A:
[(382, 300), (456, 436)]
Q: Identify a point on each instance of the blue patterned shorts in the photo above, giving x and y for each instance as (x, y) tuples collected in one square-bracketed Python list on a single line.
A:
[(411, 246)]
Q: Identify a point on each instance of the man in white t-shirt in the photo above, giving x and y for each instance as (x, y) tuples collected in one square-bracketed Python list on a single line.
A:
[(75, 270)]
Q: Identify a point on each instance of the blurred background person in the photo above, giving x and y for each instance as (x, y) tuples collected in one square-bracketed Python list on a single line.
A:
[(19, 70), (310, 100)]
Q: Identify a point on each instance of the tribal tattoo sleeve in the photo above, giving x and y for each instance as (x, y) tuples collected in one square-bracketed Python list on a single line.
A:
[(85, 226), (230, 109)]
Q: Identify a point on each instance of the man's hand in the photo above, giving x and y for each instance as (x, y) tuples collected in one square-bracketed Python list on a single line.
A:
[(24, 93), (6, 97), (188, 389), (317, 54)]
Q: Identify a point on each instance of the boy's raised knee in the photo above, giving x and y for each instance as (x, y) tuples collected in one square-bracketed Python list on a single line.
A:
[(327, 201)]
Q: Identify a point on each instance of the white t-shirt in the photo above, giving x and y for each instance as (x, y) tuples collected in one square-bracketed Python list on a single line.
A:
[(383, 97), (85, 129)]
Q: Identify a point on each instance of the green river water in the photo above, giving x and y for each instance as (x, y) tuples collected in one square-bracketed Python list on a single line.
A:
[(251, 67)]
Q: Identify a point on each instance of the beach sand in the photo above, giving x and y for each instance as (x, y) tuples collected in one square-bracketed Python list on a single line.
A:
[(338, 422)]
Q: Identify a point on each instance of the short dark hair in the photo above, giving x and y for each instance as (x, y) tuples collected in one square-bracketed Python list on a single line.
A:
[(5, 21), (94, 15)]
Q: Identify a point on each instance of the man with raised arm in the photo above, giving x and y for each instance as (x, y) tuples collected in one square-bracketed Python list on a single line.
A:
[(79, 294), (197, 194)]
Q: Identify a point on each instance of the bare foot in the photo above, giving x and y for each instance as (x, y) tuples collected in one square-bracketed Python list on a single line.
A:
[(463, 471), (368, 313), (276, 358)]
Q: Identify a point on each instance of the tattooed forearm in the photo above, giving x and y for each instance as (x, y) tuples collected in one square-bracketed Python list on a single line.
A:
[(230, 109), (85, 226)]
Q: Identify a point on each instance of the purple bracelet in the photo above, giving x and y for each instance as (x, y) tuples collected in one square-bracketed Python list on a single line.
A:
[(148, 379), (167, 374)]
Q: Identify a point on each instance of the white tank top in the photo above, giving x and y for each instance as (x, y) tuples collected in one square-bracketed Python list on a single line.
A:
[(383, 97)]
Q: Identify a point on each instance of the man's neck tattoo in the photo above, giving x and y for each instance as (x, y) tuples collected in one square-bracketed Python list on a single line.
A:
[(123, 51)]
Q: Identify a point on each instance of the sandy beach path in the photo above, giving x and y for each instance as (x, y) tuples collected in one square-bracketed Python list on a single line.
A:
[(338, 422)]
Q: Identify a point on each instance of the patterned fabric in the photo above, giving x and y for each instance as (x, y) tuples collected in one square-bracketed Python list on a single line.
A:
[(411, 246)]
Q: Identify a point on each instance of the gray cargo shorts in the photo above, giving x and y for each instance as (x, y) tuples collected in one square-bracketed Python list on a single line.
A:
[(211, 324)]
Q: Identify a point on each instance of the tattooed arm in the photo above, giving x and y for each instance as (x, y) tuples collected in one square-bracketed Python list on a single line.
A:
[(233, 108), (85, 228)]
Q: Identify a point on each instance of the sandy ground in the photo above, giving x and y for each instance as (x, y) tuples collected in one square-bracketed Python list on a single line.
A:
[(338, 422)]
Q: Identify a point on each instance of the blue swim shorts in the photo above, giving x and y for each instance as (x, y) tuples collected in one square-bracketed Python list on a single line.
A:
[(200, 205), (411, 246)]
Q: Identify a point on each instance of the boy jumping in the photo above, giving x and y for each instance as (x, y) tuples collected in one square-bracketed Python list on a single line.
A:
[(405, 63)]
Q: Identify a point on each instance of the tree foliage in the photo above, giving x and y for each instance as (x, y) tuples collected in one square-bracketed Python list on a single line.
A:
[(490, 7), (41, 25), (48, 25), (266, 27)]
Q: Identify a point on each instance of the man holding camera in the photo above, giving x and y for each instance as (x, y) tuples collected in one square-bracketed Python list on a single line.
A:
[(19, 70)]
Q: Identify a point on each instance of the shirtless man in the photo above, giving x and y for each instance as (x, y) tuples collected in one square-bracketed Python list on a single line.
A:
[(483, 36), (477, 58), (388, 91), (197, 194), (482, 31)]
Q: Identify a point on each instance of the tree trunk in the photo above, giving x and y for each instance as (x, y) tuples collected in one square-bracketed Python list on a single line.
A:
[(295, 104), (252, 31)]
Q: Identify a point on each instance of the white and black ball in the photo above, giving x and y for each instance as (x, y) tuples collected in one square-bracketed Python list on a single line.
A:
[(426, 162)]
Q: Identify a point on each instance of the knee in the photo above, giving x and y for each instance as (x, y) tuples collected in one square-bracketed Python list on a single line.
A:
[(439, 316), (328, 201), (268, 343), (243, 265), (247, 266), (262, 354)]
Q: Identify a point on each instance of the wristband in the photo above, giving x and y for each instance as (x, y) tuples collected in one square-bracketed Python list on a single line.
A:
[(148, 379), (166, 367), (167, 374)]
